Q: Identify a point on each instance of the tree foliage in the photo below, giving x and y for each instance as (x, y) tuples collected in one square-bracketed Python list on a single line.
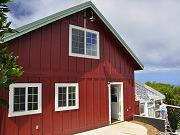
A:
[(9, 69), (172, 94)]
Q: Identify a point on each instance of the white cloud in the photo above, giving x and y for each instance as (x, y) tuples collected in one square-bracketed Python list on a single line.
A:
[(150, 28), (39, 9)]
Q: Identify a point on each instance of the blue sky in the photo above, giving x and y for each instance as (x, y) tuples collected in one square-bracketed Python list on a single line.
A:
[(150, 28), (165, 77)]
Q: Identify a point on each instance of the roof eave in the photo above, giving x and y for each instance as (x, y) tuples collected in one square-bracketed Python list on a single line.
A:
[(117, 36)]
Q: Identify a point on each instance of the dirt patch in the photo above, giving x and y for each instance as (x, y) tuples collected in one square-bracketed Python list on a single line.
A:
[(151, 130)]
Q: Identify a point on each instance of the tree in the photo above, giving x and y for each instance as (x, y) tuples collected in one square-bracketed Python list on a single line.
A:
[(172, 94), (9, 69)]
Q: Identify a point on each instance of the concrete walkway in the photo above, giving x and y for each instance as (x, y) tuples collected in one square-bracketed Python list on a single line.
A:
[(123, 128)]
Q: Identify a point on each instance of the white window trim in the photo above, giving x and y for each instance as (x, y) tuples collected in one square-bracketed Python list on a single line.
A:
[(26, 112), (56, 96), (142, 114), (85, 30)]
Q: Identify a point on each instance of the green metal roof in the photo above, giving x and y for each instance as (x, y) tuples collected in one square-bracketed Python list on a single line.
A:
[(47, 20)]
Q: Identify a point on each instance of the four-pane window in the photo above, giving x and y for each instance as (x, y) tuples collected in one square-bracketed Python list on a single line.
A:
[(83, 42), (24, 99), (66, 96)]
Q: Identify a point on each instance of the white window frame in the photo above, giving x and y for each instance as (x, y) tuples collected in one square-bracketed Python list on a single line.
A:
[(142, 114), (57, 85), (151, 107), (85, 30), (11, 99)]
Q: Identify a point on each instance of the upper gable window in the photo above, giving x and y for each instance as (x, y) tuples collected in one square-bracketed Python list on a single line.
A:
[(83, 42)]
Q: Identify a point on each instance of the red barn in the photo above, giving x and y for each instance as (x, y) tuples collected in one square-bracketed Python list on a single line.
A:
[(79, 75)]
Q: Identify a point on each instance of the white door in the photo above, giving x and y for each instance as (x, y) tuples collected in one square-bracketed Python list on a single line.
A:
[(115, 102)]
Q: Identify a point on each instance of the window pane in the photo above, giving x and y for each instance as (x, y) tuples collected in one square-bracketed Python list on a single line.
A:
[(94, 53), (75, 44), (94, 47), (72, 89), (91, 44), (16, 91), (35, 90), (75, 37), (71, 102), (88, 34), (22, 99), (142, 107), (81, 33), (114, 94), (81, 51), (81, 46), (62, 96), (30, 90), (88, 46), (16, 107), (151, 112), (35, 98), (60, 104), (72, 96), (19, 99), (157, 104), (64, 103), (94, 36), (35, 106), (74, 31), (77, 41), (94, 41), (30, 106), (32, 98), (22, 91), (88, 40), (75, 50), (81, 39), (60, 90), (16, 99), (22, 107), (88, 52)]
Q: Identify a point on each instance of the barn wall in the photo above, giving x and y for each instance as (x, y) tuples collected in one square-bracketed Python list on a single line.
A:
[(44, 55)]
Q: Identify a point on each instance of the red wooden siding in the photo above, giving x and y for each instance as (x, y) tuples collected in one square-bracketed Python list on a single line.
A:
[(44, 55)]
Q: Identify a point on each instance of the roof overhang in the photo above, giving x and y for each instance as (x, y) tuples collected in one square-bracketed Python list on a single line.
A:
[(47, 20)]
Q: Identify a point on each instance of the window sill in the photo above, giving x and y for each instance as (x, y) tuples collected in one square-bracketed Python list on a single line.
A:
[(23, 113), (66, 108), (83, 56)]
